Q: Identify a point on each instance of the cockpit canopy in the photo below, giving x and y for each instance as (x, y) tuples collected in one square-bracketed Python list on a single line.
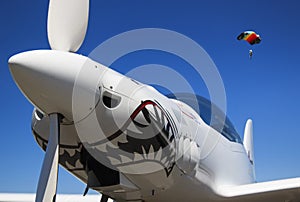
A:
[(218, 120)]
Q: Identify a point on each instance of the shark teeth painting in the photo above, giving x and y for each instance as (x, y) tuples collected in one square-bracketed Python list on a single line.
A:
[(147, 138)]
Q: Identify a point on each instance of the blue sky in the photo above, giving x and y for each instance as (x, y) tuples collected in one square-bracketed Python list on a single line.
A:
[(264, 88)]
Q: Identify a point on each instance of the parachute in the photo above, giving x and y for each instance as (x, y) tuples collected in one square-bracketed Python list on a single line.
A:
[(250, 36)]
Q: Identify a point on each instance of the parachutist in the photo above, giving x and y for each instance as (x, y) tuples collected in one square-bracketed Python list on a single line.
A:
[(250, 54)]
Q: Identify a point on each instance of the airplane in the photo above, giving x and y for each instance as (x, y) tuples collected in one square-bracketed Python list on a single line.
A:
[(123, 138)]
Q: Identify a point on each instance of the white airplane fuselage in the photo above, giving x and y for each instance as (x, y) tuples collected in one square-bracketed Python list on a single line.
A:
[(123, 138)]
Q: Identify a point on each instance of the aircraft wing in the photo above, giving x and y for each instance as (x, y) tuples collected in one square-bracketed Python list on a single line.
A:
[(287, 190), (18, 197)]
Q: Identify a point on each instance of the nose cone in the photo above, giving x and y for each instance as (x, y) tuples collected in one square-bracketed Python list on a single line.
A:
[(47, 77)]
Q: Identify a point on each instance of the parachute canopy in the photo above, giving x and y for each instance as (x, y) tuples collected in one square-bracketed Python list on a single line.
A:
[(249, 36)]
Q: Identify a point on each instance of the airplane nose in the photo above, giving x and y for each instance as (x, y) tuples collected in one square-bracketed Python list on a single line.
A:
[(47, 77)]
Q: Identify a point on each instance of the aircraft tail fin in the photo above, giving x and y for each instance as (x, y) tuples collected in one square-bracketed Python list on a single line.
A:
[(248, 141)]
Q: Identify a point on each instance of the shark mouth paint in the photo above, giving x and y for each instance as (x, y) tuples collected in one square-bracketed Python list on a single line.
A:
[(144, 144)]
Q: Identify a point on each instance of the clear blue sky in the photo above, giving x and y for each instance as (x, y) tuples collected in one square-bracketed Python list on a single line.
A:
[(265, 88)]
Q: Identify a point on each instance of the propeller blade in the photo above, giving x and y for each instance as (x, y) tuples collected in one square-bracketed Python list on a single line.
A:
[(67, 24), (46, 191)]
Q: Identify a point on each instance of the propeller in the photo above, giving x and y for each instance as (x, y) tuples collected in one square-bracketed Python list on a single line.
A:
[(67, 25), (46, 190)]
